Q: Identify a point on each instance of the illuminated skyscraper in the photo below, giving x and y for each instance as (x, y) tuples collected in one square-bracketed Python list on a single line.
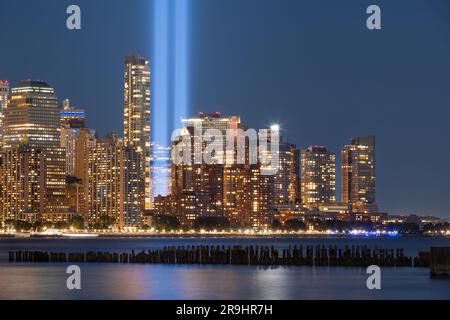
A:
[(71, 121), (358, 174), (261, 198), (32, 116), (4, 90), (237, 190), (197, 184), (286, 179), (33, 162), (84, 143), (318, 176), (137, 116), (23, 179), (236, 193), (56, 204), (114, 183), (200, 185)]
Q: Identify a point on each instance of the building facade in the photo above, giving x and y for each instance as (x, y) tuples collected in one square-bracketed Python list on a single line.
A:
[(318, 176), (358, 174), (33, 162), (136, 115), (4, 91), (114, 183), (287, 177), (32, 116), (72, 120), (239, 190)]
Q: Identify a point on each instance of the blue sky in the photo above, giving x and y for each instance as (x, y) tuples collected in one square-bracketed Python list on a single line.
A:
[(311, 65)]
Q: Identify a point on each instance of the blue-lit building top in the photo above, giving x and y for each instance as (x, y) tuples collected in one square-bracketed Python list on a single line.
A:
[(74, 118)]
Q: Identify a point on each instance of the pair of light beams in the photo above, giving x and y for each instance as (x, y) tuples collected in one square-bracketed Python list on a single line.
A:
[(170, 94), (170, 73)]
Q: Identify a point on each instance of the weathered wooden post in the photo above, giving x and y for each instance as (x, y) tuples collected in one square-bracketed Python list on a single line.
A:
[(440, 262)]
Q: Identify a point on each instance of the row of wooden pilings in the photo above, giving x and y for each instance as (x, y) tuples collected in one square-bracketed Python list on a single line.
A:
[(259, 255)]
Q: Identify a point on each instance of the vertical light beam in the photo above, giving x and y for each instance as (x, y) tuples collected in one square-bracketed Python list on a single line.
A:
[(170, 89), (160, 83), (181, 67)]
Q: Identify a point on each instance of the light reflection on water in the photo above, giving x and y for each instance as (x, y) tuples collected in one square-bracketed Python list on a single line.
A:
[(114, 281)]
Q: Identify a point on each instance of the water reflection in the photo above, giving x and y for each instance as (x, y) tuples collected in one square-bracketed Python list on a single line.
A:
[(114, 281)]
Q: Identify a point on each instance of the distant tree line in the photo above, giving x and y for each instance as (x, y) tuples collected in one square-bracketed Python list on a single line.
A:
[(168, 223), (77, 222)]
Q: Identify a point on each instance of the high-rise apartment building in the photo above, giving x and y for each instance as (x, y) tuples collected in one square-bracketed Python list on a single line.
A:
[(84, 142), (33, 185), (114, 183), (286, 178), (23, 180), (358, 174), (318, 176), (201, 181), (261, 195), (239, 190), (136, 119), (198, 184), (4, 90)]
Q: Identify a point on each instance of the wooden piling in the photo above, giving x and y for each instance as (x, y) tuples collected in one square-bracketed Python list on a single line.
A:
[(440, 262)]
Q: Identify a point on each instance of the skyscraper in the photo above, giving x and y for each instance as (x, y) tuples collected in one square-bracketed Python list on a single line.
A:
[(114, 183), (286, 179), (136, 120), (318, 176), (23, 193), (358, 174), (4, 90), (84, 143), (72, 120), (34, 163), (32, 116), (239, 189), (261, 196), (201, 184)]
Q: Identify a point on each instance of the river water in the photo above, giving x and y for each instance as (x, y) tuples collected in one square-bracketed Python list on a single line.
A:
[(115, 281)]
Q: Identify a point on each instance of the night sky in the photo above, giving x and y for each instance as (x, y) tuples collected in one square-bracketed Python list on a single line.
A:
[(311, 66)]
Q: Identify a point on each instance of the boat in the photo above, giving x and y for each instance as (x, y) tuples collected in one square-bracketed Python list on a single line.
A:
[(49, 233), (22, 234), (80, 235)]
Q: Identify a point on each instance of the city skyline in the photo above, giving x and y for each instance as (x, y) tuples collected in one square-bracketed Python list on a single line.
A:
[(54, 168), (74, 118), (220, 157), (404, 120)]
